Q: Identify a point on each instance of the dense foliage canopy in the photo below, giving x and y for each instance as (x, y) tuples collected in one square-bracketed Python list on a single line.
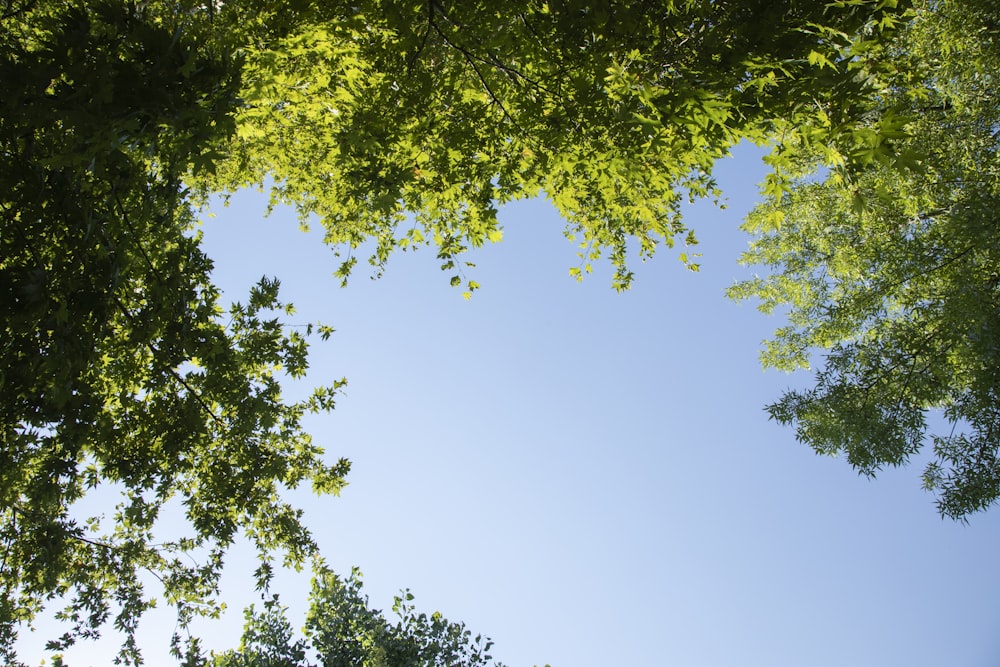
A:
[(120, 374), (408, 123), (893, 271)]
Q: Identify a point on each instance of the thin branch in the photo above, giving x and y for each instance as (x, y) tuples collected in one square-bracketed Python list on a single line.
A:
[(128, 315), (929, 270), (471, 59), (423, 41)]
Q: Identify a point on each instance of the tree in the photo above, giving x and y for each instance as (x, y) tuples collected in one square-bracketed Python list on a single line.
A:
[(893, 270), (119, 372), (404, 123), (342, 630), (407, 123)]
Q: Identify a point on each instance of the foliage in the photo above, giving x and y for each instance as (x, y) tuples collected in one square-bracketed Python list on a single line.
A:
[(343, 631), (894, 270), (120, 375), (405, 123), (408, 122)]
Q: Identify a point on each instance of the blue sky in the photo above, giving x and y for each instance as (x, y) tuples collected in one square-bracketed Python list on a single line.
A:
[(589, 477)]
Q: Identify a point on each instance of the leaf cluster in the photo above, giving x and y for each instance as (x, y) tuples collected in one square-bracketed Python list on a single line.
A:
[(342, 630), (120, 374), (408, 123), (888, 267)]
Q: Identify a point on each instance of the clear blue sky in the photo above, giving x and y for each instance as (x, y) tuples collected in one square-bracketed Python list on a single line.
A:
[(589, 477)]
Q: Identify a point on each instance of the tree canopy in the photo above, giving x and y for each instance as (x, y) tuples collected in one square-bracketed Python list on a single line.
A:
[(119, 371), (342, 629), (407, 124), (891, 272)]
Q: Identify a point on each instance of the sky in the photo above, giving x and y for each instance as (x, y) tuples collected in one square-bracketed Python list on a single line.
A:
[(589, 477)]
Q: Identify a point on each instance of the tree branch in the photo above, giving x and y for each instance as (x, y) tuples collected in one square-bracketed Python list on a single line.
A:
[(471, 59)]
